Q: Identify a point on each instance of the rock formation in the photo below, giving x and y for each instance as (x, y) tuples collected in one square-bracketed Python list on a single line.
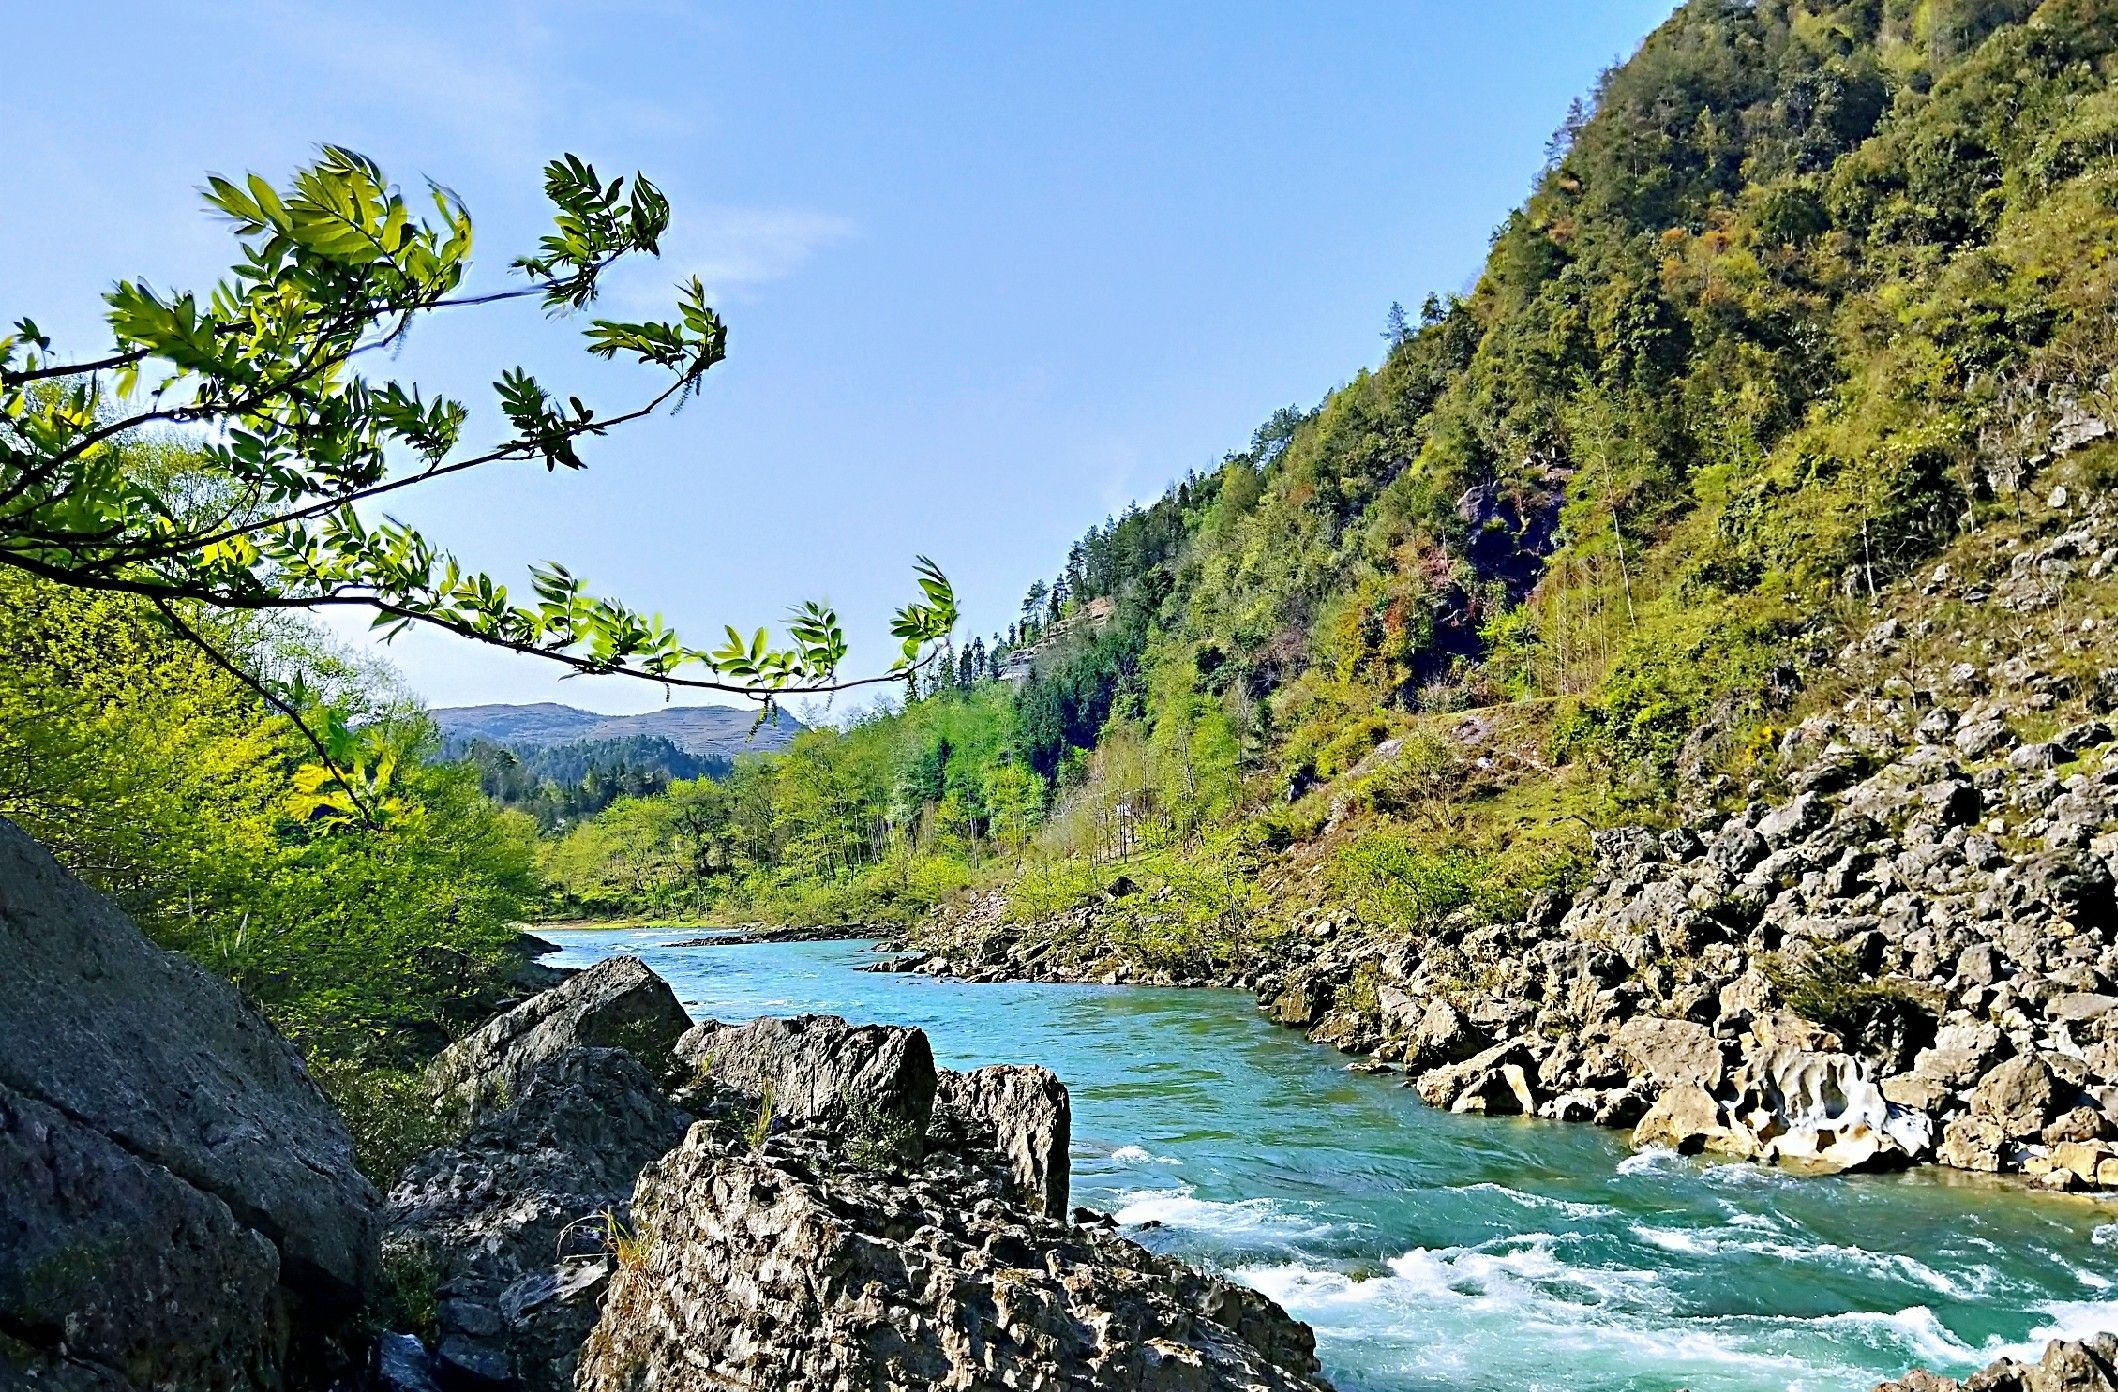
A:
[(616, 1004), (514, 1227), (812, 1069), (1023, 1114), (2089, 1365), (841, 1213), (182, 1208)]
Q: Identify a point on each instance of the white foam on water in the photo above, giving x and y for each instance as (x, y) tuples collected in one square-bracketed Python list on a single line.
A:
[(1518, 1301), (1967, 1284), (2064, 1319), (1653, 1160), (1140, 1155), (1915, 1328), (1572, 1208), (1242, 1220), (1509, 1275)]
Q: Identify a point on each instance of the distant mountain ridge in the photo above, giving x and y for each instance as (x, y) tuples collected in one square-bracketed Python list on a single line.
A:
[(707, 732)]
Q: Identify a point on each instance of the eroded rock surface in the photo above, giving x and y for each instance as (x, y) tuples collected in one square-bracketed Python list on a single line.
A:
[(1025, 1115), (181, 1205), (818, 1069), (515, 1226), (616, 1004), (781, 1267)]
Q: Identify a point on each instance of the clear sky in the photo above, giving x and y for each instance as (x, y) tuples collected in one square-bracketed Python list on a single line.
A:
[(991, 270)]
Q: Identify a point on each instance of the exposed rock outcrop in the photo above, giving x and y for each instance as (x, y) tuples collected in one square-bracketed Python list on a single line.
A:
[(817, 1069), (782, 1267), (616, 1004), (2089, 1365), (841, 1214), (515, 1226), (1024, 1114), (140, 1095)]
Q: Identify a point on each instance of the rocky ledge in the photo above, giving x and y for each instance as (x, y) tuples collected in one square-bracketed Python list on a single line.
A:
[(790, 1203)]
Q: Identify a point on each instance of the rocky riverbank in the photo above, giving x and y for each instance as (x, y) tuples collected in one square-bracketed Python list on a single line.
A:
[(632, 1201), (1901, 946)]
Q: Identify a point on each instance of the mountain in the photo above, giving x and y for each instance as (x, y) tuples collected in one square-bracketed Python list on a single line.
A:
[(704, 732)]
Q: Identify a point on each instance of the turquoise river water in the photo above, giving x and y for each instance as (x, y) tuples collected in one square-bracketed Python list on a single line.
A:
[(1431, 1251)]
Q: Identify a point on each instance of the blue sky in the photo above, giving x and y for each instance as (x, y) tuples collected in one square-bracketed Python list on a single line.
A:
[(991, 271)]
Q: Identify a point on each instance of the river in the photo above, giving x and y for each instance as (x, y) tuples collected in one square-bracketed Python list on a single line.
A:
[(1440, 1252)]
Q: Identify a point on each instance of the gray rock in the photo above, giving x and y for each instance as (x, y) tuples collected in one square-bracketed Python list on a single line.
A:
[(2080, 1005), (1797, 819), (196, 1305), (817, 1069), (1979, 738), (143, 1052), (616, 1004), (516, 1224), (2042, 755), (1029, 1117), (1952, 801), (774, 1269)]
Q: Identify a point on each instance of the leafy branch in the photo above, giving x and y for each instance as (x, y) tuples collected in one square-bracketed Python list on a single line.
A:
[(289, 440)]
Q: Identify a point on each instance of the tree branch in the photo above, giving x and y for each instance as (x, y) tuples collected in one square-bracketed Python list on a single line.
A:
[(272, 699)]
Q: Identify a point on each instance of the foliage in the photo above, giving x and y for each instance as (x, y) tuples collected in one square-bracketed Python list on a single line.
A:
[(1804, 286), (285, 438), (166, 783)]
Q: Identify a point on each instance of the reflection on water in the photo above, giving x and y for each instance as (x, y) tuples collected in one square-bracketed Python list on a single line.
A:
[(1432, 1251)]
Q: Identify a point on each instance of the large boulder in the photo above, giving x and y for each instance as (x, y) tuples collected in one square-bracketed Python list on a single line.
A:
[(197, 1306), (1688, 1119), (1025, 1114), (141, 1095), (1672, 1053), (777, 1267), (878, 1081), (1500, 1081), (619, 1003), (514, 1228), (2018, 1096)]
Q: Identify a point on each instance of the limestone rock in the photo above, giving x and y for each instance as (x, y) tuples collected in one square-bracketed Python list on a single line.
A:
[(1973, 1143), (1672, 1053), (818, 1068), (152, 1093), (771, 1268), (1029, 1116), (618, 1003), (1499, 1081), (1687, 1119), (516, 1222), (2018, 1096), (1825, 1110), (2089, 1365)]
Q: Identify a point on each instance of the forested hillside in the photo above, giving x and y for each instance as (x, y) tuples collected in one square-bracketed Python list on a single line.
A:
[(1799, 290)]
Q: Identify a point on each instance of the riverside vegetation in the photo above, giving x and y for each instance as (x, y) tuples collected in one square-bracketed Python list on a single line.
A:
[(1674, 679)]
